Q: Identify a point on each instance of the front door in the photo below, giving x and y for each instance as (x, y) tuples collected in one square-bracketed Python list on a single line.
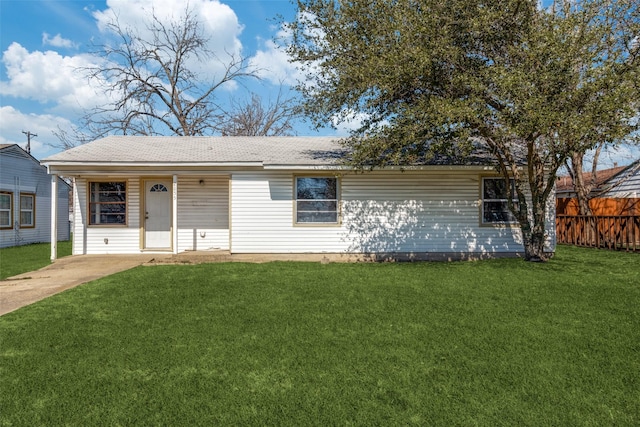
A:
[(157, 218)]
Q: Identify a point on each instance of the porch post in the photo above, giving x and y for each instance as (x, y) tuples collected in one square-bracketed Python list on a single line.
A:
[(174, 217), (54, 217)]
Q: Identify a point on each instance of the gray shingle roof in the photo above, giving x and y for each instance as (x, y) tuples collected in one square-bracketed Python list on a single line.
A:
[(321, 151), (231, 151)]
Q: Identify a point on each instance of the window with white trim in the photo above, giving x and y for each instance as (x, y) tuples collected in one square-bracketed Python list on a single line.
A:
[(108, 203), (27, 210), (495, 196), (6, 210), (316, 200)]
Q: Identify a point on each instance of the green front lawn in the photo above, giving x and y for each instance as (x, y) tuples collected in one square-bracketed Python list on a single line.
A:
[(500, 342), (22, 259)]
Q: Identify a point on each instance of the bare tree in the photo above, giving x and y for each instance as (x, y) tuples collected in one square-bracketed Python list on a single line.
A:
[(253, 118), (152, 82), (586, 178), (585, 183), (70, 138)]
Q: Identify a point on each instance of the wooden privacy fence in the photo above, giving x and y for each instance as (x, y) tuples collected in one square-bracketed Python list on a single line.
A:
[(600, 206), (620, 232)]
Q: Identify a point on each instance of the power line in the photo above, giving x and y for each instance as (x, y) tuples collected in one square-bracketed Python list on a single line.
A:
[(29, 135)]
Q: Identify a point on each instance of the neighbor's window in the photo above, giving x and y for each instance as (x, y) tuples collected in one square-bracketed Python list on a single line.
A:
[(27, 210), (6, 211), (108, 203), (495, 195), (316, 200)]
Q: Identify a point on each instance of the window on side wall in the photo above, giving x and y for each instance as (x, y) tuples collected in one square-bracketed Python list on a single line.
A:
[(316, 200), (495, 195), (6, 210), (27, 210), (108, 203)]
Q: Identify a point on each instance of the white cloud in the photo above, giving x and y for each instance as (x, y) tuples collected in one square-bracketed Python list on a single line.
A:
[(220, 25), (349, 123), (57, 41), (59, 81), (273, 64), (14, 122), (48, 77)]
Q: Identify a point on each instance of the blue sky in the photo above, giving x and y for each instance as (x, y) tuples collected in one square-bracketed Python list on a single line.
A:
[(44, 41)]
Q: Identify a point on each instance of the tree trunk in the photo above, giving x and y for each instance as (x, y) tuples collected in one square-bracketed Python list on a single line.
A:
[(582, 188), (533, 236), (533, 240)]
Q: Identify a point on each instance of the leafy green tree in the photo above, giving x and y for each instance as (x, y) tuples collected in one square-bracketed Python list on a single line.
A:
[(529, 85)]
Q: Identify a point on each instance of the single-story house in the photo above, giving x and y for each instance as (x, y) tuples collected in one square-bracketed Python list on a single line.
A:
[(281, 195), (25, 200)]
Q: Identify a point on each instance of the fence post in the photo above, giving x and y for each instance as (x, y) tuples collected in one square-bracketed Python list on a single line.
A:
[(610, 232)]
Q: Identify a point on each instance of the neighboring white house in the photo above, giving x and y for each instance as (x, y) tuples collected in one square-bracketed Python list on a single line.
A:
[(621, 182), (625, 184), (25, 200), (280, 195)]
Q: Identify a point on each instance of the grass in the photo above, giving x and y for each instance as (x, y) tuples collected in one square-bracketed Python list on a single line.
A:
[(499, 342), (21, 259)]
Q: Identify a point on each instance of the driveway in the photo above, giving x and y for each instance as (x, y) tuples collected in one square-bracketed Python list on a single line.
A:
[(64, 273)]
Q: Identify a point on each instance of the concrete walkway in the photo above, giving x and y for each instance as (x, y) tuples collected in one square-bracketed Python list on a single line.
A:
[(64, 273), (68, 272)]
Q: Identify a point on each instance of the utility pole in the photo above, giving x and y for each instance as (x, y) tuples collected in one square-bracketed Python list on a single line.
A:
[(29, 135)]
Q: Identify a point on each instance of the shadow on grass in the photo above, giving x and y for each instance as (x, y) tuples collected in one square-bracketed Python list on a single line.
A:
[(499, 342)]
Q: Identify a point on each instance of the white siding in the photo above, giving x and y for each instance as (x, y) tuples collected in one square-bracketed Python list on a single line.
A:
[(203, 213), (412, 212), (627, 185), (106, 239), (262, 218), (203, 218), (19, 173), (384, 212)]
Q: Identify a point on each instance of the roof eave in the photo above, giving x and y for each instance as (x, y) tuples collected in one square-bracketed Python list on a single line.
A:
[(148, 164)]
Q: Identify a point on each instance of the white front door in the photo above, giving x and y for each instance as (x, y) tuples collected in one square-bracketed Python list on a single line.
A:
[(157, 218)]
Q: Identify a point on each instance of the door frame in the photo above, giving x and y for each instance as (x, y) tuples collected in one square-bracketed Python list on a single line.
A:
[(143, 209)]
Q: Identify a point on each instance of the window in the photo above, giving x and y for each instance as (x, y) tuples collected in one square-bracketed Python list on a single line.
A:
[(108, 203), (158, 188), (494, 201), (6, 210), (27, 210), (316, 200)]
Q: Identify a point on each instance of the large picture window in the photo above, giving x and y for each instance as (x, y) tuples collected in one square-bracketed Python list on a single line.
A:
[(6, 210), (108, 203), (495, 196), (27, 210), (316, 200)]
